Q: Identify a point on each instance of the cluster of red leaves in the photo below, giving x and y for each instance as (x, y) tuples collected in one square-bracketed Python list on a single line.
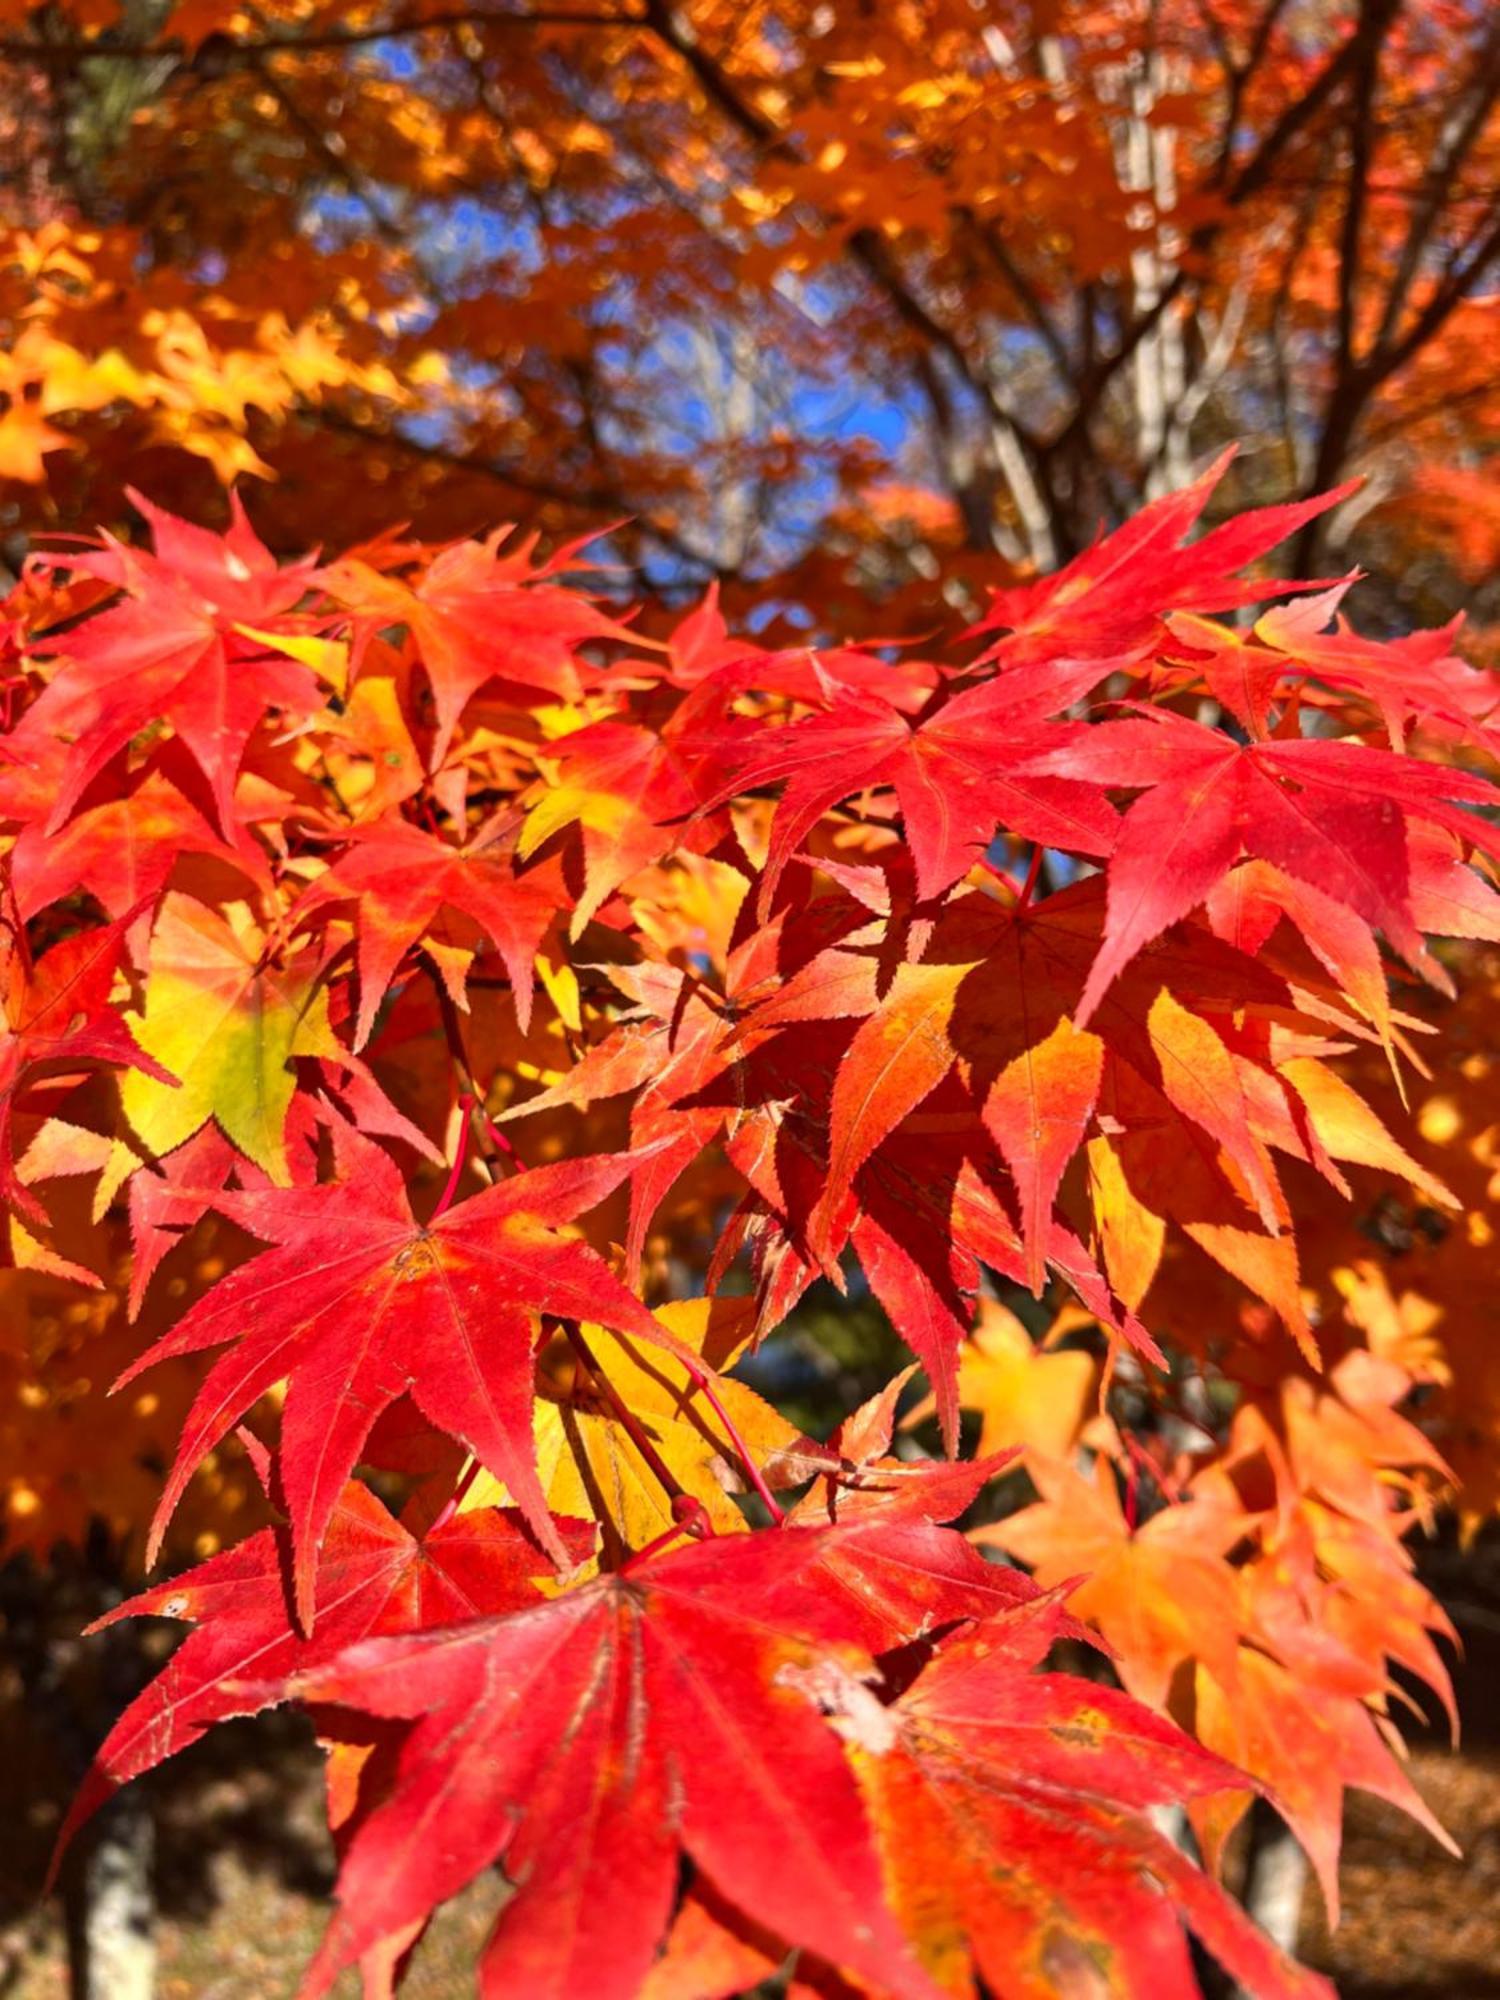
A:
[(1034, 961)]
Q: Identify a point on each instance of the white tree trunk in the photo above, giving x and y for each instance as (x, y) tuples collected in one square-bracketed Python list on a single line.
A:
[(113, 1907), (1275, 1877)]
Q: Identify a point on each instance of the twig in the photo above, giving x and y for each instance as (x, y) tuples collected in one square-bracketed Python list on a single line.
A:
[(629, 1422)]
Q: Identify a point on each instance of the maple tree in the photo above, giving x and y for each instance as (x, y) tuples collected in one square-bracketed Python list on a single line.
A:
[(479, 1024), (855, 299), (865, 319)]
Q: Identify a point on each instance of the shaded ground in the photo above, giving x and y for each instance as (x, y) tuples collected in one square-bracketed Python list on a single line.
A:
[(1418, 1925), (244, 1865), (244, 1869)]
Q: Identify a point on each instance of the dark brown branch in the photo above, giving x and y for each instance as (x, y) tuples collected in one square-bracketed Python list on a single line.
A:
[(1240, 76), (1458, 139), (1475, 255), (227, 48), (1030, 299), (866, 246), (1255, 174), (1366, 82), (609, 502), (334, 163)]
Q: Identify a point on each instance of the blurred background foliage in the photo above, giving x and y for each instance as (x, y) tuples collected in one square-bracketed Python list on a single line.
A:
[(848, 312)]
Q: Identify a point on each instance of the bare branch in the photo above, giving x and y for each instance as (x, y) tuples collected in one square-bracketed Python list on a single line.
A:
[(1461, 132)]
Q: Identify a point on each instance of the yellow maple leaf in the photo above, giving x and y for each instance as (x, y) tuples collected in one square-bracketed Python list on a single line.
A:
[(1025, 1395), (226, 1026), (592, 1469)]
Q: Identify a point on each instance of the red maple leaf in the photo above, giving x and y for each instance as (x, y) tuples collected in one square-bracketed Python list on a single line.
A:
[(1333, 813), (402, 877), (358, 1304), (175, 647), (969, 763), (1014, 1807), (585, 1745), (57, 1016), (1108, 603), (374, 1575), (480, 612)]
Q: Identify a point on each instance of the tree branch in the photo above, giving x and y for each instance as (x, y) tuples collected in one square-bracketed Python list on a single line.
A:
[(1374, 22), (866, 246), (1366, 78), (586, 499), (227, 48)]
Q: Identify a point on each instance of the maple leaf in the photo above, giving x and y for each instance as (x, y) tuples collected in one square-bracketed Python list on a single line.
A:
[(178, 1190), (227, 1025), (1332, 813), (624, 788), (122, 850), (172, 650), (479, 613), (1026, 1395), (374, 1575), (956, 774), (358, 1304), (586, 1744), (1308, 1747), (1329, 1589), (1012, 1808), (403, 877), (57, 1015), (1407, 676), (1161, 1594), (1106, 605)]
